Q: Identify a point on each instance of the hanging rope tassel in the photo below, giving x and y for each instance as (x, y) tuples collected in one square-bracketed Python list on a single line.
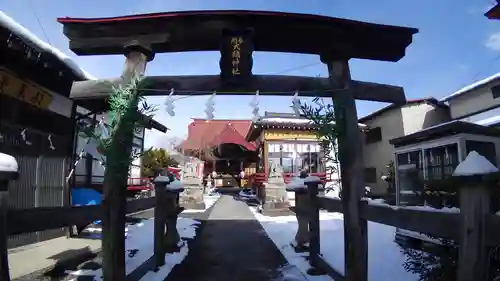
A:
[(255, 106), (74, 165), (169, 104), (296, 106), (209, 110)]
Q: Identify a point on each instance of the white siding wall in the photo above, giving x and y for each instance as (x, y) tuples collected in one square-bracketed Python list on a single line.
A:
[(396, 123), (97, 168), (474, 101)]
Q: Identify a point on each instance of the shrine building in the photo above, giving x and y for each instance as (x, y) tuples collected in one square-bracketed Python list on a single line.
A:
[(231, 146)]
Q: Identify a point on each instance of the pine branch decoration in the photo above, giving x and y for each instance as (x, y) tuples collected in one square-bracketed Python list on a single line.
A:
[(123, 108)]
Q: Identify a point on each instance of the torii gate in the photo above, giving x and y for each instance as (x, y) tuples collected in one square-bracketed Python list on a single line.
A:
[(237, 34)]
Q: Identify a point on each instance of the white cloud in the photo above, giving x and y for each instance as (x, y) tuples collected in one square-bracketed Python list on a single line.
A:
[(493, 42)]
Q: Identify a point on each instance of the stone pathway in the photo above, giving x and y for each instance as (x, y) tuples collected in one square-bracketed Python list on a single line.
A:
[(232, 245)]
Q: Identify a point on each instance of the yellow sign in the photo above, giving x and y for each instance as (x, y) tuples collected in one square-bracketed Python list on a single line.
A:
[(15, 87), (281, 135), (236, 54)]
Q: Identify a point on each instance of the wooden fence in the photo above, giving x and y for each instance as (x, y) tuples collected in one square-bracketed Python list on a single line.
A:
[(475, 227), (165, 202)]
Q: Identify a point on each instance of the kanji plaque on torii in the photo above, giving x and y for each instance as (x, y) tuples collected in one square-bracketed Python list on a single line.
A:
[(236, 57)]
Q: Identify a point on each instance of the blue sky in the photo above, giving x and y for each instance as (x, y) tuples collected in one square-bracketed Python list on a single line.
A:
[(455, 46)]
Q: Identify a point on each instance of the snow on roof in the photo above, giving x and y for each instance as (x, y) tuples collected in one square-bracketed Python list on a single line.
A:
[(475, 164), (489, 121), (471, 87), (287, 120), (28, 36), (8, 163)]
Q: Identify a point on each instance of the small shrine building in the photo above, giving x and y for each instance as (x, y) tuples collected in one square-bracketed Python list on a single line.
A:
[(290, 141), (231, 146)]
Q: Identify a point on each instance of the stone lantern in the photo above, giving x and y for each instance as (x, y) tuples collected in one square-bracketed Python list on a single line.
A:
[(9, 171)]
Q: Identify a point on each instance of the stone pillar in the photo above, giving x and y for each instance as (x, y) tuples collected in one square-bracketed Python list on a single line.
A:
[(172, 237), (301, 212), (160, 211), (192, 196), (276, 197), (8, 172)]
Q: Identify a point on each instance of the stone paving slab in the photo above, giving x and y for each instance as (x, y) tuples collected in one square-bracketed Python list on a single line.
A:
[(232, 246), (44, 255)]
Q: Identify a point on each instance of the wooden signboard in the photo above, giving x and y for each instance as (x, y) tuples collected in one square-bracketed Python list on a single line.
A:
[(236, 58), (25, 91)]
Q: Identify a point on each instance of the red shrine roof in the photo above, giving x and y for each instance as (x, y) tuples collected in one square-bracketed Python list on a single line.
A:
[(208, 133), (272, 31), (230, 135)]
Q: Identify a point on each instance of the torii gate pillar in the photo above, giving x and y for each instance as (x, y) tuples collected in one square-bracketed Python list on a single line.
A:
[(114, 192), (351, 167)]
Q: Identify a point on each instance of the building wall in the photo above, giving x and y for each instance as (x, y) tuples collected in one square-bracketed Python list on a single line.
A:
[(396, 123), (97, 167), (292, 136), (474, 101), (36, 128)]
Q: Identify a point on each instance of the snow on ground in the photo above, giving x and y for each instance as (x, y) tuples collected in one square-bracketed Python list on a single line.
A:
[(139, 245), (139, 248), (209, 201), (187, 229), (384, 256)]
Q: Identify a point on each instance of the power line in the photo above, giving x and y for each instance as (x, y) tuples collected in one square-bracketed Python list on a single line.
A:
[(277, 73), (40, 24), (297, 68), (479, 72), (486, 68)]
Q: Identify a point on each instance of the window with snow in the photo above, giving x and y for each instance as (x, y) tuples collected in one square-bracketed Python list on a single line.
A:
[(486, 149)]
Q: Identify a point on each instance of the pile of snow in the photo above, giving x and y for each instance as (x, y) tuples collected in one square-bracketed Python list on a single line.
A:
[(209, 201), (298, 183), (426, 208), (139, 247), (384, 255), (475, 164), (8, 163), (175, 185)]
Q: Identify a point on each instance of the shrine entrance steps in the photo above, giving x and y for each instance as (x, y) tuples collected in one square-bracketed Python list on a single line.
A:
[(231, 246)]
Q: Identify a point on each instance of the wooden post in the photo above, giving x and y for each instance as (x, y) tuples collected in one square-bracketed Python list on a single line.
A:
[(160, 218), (265, 152), (351, 167), (8, 172), (473, 252), (114, 190), (172, 237), (314, 231), (302, 213)]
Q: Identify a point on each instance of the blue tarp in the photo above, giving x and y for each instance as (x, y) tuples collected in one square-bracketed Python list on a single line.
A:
[(82, 196)]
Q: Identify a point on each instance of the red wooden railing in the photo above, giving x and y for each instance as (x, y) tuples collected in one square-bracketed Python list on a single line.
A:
[(139, 184), (258, 179)]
